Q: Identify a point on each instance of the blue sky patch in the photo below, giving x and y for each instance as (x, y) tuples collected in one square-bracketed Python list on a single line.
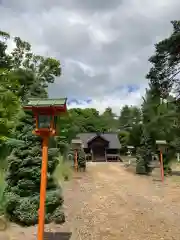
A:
[(71, 101), (132, 88)]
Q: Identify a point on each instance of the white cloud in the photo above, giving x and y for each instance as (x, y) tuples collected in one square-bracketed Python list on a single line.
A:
[(103, 45), (117, 101)]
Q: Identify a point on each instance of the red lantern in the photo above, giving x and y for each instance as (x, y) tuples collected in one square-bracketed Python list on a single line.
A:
[(45, 112)]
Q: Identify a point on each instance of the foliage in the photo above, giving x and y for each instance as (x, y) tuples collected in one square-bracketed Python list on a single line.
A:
[(24, 166), (144, 154), (129, 117), (63, 170), (26, 75), (140, 164), (81, 159), (130, 126), (9, 102), (2, 196), (9, 106), (165, 61), (124, 140), (160, 109)]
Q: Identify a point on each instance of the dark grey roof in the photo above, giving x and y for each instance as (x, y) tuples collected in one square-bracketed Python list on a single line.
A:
[(112, 138)]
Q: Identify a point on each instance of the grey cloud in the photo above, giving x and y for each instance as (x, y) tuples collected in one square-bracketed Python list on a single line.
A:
[(78, 5), (68, 41), (114, 38), (80, 85)]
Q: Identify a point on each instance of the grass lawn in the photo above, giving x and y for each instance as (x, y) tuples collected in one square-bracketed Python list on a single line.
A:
[(64, 170)]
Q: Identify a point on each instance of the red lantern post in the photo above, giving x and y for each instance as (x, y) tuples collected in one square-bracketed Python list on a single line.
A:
[(45, 112)]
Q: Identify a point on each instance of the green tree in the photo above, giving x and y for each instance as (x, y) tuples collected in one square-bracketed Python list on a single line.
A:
[(129, 117), (135, 136), (165, 63), (24, 164), (9, 107), (125, 121), (109, 120), (130, 122), (144, 153), (163, 78), (9, 102), (124, 140)]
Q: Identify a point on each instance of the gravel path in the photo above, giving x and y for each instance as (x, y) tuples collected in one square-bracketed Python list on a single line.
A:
[(109, 203)]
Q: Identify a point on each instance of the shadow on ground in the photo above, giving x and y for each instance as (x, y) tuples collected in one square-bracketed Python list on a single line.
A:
[(57, 235), (175, 173), (156, 180)]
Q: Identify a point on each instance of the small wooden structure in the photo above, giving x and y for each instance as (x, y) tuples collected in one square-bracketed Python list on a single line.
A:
[(45, 112), (100, 147)]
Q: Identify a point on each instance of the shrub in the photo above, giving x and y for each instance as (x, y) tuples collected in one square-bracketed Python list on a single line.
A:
[(22, 190), (167, 160), (81, 159), (144, 158), (140, 165)]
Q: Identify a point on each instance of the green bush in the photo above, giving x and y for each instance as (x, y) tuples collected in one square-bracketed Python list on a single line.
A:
[(143, 160), (167, 160), (22, 189), (81, 159), (140, 165)]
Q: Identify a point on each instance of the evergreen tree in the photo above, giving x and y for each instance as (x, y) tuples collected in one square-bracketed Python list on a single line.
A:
[(23, 179), (140, 164), (144, 155)]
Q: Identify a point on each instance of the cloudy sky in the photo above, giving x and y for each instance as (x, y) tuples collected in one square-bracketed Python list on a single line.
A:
[(103, 45)]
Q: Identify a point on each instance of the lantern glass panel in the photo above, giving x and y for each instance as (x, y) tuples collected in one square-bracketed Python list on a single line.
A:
[(44, 121)]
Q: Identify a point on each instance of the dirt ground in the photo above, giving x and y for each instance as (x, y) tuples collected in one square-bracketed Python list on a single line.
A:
[(109, 203)]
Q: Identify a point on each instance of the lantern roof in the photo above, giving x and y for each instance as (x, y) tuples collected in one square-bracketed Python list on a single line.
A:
[(161, 142), (34, 102), (130, 147), (51, 106), (76, 141)]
